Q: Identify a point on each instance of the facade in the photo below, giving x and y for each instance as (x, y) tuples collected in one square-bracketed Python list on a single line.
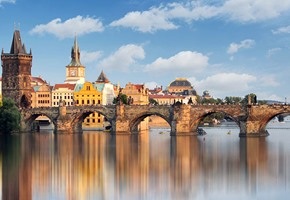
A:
[(89, 94), (108, 89), (168, 99), (138, 92), (75, 71), (63, 92), (179, 85), (16, 73), (41, 96)]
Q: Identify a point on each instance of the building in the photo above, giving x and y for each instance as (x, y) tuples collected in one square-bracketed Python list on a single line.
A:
[(41, 96), (89, 94), (168, 99), (137, 92), (107, 89), (75, 71), (63, 92), (179, 85), (16, 72)]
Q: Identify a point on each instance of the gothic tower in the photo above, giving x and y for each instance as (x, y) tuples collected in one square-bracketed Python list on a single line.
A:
[(75, 71), (16, 73)]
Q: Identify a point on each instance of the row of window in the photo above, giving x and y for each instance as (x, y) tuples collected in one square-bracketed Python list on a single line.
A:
[(43, 95), (65, 97), (66, 103), (93, 120), (88, 95), (88, 102), (43, 101)]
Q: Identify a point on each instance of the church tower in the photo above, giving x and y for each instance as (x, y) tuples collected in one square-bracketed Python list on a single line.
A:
[(75, 71), (16, 73)]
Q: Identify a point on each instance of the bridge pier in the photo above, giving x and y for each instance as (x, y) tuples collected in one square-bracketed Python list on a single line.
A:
[(180, 125), (252, 129)]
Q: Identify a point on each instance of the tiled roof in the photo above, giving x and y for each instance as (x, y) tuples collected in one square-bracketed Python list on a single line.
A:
[(64, 85)]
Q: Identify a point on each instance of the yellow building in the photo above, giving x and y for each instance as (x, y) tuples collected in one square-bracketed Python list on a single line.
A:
[(88, 94), (179, 85)]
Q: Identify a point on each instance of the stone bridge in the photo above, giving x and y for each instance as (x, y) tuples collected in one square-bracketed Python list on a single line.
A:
[(183, 119)]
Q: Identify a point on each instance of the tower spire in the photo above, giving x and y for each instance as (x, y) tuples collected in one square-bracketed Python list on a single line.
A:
[(75, 54)]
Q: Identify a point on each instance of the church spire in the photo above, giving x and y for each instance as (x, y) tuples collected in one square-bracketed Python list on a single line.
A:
[(75, 54)]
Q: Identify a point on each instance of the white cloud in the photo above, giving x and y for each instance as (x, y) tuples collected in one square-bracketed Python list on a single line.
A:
[(152, 85), (285, 29), (253, 11), (164, 17), (268, 81), (147, 21), (269, 96), (71, 27), (124, 58), (89, 57), (190, 61), (273, 51), (245, 44), (7, 1), (224, 84)]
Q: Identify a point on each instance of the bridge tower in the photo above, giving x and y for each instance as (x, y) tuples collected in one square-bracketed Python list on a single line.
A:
[(16, 73)]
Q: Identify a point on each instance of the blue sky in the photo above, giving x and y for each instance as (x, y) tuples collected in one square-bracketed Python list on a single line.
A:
[(228, 47)]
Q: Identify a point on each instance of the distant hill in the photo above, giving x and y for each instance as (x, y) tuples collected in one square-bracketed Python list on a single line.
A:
[(273, 102)]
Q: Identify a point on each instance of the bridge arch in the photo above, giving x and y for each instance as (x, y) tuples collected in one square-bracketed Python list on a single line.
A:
[(141, 116), (79, 117), (196, 121), (28, 121), (264, 122)]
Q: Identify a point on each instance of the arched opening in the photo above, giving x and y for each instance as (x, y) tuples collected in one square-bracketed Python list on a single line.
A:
[(150, 122), (24, 102), (40, 123), (92, 121), (277, 123), (216, 123)]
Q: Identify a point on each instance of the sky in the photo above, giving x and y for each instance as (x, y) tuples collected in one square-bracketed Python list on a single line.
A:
[(228, 47)]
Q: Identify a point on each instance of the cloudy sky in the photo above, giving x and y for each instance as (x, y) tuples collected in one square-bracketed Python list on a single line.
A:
[(228, 47)]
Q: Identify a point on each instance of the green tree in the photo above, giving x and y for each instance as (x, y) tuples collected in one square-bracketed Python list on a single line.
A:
[(123, 98), (9, 117), (153, 102)]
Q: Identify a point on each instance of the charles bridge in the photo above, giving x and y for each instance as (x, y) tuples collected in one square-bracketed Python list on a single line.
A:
[(183, 119)]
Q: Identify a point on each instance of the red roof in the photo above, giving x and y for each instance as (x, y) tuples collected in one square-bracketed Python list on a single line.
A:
[(65, 85)]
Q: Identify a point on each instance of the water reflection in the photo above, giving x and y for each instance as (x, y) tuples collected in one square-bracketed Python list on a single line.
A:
[(96, 165)]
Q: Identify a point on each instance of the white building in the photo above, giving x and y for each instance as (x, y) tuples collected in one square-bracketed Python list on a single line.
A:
[(63, 92)]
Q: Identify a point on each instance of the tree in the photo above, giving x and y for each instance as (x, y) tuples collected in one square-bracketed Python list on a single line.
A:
[(121, 97), (9, 117), (153, 102)]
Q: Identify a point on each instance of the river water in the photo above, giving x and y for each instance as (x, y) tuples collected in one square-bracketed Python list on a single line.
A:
[(96, 165)]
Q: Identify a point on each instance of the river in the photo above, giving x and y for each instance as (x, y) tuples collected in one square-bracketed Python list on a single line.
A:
[(97, 165)]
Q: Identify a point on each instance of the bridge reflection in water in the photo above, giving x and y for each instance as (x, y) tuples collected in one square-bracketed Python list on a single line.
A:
[(148, 166)]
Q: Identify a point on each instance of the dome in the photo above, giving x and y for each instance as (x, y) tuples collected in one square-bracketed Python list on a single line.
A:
[(180, 82)]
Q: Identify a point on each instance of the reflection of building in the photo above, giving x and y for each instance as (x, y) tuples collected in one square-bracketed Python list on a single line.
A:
[(75, 71), (63, 92), (138, 92), (16, 72), (89, 94)]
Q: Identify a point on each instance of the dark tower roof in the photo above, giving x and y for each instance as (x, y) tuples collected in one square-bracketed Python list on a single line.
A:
[(75, 55), (17, 47), (181, 82), (102, 78)]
